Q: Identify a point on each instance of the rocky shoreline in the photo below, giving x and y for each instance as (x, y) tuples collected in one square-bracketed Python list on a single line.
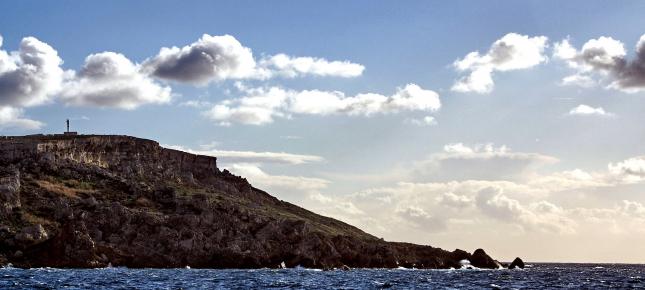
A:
[(91, 201)]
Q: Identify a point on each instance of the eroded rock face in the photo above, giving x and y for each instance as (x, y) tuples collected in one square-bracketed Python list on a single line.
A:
[(88, 201), (32, 235), (9, 189)]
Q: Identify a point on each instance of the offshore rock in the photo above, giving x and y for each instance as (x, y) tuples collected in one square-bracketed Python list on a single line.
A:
[(480, 259), (517, 263), (92, 201)]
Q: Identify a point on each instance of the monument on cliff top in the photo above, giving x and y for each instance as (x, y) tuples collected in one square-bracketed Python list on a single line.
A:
[(67, 132)]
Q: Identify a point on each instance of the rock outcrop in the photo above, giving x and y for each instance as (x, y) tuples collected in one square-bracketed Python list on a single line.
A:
[(480, 259), (517, 263), (90, 201)]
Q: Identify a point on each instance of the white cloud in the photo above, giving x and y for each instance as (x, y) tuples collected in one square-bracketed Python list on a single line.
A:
[(31, 75), (476, 202), (196, 104), (568, 180), (211, 58), (480, 161), (251, 156), (580, 80), (420, 218), (543, 215), (13, 118), (629, 170), (584, 110), (111, 80), (425, 121), (261, 179), (511, 52), (633, 209), (607, 58), (261, 106), (454, 200), (218, 58), (284, 65)]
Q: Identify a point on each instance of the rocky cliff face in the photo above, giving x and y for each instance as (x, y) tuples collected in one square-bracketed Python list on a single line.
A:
[(90, 201)]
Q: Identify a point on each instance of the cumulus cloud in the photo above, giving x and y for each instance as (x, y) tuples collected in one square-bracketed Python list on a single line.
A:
[(585, 110), (211, 58), (109, 79), (632, 208), (261, 105), (442, 205), (606, 57), (530, 206), (252, 156), (511, 52), (629, 170), (13, 118), (218, 58), (420, 218), (31, 75), (541, 215), (284, 65), (454, 200)]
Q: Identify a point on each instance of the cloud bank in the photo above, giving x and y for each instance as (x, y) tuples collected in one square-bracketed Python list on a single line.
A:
[(262, 106), (252, 156)]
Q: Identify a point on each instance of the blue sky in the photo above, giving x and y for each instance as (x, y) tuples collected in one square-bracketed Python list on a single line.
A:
[(530, 155)]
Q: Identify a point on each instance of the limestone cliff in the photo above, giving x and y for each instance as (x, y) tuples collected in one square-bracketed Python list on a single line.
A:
[(90, 201)]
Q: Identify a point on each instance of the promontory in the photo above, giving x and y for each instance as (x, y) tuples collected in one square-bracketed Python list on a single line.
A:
[(98, 200)]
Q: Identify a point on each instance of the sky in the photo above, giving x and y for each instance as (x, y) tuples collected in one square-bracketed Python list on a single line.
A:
[(514, 126)]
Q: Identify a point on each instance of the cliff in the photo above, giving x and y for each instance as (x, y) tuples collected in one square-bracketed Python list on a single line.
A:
[(91, 201)]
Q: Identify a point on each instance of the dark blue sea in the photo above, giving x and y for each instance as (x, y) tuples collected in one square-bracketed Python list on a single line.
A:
[(574, 276)]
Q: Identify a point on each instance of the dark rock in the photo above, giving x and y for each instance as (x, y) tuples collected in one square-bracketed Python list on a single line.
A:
[(9, 190), (32, 235), (480, 259), (517, 263), (91, 201)]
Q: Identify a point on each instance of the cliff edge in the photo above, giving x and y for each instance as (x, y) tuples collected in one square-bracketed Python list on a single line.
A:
[(98, 200)]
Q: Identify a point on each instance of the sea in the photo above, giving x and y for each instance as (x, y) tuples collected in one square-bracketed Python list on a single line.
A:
[(535, 276)]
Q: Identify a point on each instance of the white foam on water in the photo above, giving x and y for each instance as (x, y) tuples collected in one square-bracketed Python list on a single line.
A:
[(8, 266)]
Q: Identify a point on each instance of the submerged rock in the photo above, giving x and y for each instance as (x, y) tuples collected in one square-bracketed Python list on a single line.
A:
[(96, 201)]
